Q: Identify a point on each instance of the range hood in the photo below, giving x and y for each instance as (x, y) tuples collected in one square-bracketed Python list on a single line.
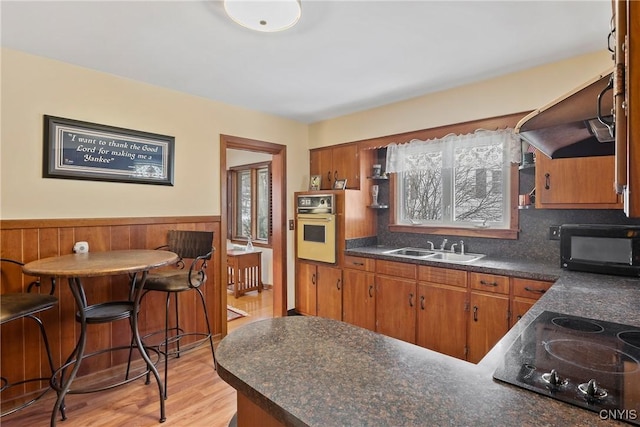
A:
[(569, 126)]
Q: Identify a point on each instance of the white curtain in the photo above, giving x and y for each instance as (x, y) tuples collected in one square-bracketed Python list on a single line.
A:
[(398, 155)]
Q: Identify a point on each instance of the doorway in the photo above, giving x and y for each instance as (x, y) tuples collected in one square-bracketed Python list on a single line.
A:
[(278, 212)]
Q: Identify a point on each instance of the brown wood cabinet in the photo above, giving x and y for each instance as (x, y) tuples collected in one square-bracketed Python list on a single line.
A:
[(329, 288), (489, 313), (358, 292), (336, 162), (319, 290), (576, 183), (627, 101), (306, 285), (525, 293), (442, 310), (396, 300)]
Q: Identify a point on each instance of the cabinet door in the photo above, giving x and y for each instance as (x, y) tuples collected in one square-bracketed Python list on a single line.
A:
[(329, 286), (519, 306), (359, 299), (578, 183), (442, 319), (306, 280), (321, 164), (489, 321), (396, 308), (346, 164)]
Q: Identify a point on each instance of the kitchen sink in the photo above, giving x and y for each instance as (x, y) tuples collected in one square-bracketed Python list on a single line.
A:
[(411, 252), (453, 257), (434, 255)]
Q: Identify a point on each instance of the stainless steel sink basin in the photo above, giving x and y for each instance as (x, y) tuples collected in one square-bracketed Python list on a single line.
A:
[(452, 257), (434, 255), (411, 252)]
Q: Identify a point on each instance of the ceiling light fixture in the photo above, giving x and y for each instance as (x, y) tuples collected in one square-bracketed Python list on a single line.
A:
[(264, 15)]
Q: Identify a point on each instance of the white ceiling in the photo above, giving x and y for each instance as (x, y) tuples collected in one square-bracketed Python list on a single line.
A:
[(342, 57)]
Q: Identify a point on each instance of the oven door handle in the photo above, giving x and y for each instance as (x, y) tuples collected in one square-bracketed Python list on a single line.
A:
[(315, 218)]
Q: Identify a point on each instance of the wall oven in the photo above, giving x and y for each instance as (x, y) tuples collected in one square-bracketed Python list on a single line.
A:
[(316, 235)]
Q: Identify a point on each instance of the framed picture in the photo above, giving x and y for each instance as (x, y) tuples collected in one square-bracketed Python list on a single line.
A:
[(339, 184), (90, 151), (314, 182)]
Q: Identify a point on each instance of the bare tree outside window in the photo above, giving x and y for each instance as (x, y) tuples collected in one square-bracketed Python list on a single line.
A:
[(455, 183)]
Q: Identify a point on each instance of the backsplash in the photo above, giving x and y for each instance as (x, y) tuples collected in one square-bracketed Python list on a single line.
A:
[(533, 242)]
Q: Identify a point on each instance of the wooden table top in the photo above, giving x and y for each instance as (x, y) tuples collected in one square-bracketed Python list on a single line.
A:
[(100, 263)]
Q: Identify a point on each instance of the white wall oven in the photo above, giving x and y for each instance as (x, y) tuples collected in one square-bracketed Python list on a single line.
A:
[(316, 235)]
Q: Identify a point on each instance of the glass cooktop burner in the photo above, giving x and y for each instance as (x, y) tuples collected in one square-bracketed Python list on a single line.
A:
[(630, 337), (585, 362), (577, 324)]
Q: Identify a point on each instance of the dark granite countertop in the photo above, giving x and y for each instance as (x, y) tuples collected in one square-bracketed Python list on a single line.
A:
[(320, 372)]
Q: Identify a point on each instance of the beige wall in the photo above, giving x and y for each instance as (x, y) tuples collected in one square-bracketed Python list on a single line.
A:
[(512, 93), (34, 86)]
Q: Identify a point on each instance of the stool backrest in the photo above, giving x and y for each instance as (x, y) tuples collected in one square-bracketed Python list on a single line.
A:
[(191, 244)]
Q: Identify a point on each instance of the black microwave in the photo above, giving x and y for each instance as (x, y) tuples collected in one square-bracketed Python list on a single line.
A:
[(596, 248)]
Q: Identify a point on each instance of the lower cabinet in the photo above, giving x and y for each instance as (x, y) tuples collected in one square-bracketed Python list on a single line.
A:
[(454, 312), (318, 290), (329, 290), (306, 293), (525, 293), (489, 313), (396, 308), (489, 322), (359, 293), (442, 319)]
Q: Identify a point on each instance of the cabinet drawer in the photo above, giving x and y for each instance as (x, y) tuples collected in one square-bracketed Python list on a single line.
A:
[(444, 276), (397, 269), (359, 263), (528, 288), (489, 282)]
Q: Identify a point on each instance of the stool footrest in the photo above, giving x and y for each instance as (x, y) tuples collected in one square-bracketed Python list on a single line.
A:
[(107, 312)]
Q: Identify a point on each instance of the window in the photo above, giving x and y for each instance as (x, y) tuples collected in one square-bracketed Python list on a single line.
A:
[(461, 181), (250, 207)]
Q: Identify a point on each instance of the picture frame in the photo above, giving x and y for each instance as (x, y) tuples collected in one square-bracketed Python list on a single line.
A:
[(74, 149), (314, 182), (340, 184)]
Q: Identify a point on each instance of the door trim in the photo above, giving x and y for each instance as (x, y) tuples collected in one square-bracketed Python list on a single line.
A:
[(279, 208)]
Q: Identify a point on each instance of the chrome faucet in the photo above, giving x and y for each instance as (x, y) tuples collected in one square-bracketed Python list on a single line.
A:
[(444, 242), (453, 247), (462, 247), (430, 244)]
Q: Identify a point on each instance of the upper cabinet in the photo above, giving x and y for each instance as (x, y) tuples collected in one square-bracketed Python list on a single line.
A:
[(336, 162), (627, 102), (576, 183)]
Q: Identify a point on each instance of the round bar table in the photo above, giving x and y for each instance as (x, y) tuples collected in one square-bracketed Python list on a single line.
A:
[(77, 266)]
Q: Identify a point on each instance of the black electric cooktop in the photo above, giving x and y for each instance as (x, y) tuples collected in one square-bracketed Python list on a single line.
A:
[(589, 363)]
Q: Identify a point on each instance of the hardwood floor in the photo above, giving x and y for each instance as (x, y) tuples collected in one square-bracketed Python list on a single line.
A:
[(196, 395)]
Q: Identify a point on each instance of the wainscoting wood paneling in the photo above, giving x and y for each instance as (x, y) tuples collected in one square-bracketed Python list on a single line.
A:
[(22, 353)]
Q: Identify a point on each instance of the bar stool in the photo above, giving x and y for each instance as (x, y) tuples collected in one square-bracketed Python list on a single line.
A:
[(198, 247), (14, 306)]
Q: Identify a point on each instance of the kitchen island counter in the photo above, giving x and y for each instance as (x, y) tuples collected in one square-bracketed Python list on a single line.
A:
[(311, 371)]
